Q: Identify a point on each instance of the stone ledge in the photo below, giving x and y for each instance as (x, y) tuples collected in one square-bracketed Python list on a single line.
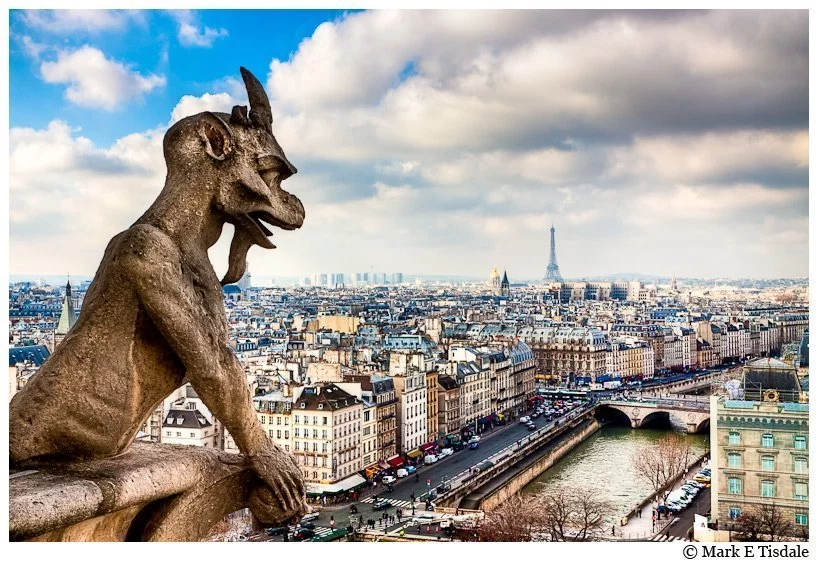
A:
[(146, 493)]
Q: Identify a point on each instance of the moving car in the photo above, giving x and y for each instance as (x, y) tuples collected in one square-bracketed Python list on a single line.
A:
[(275, 531), (441, 455), (388, 480), (531, 426), (310, 516), (306, 525), (411, 469), (525, 420), (381, 505), (473, 444)]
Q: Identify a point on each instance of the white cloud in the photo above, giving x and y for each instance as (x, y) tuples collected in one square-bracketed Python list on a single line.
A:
[(96, 81), (71, 21), (32, 48), (191, 34), (191, 105)]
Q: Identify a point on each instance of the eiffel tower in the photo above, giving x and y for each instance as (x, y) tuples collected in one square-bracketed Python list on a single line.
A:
[(552, 272)]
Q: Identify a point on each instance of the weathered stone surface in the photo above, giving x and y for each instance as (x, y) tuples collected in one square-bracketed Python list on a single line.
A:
[(152, 492), (153, 317)]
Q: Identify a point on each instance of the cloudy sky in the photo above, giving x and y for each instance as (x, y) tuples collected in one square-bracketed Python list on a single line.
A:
[(433, 142)]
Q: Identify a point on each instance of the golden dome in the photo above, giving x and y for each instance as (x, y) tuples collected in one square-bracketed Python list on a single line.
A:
[(494, 273)]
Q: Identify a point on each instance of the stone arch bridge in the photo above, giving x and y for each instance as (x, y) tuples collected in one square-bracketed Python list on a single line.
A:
[(694, 413)]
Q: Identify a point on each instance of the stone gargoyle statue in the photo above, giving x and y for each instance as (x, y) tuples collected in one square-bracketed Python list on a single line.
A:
[(153, 318)]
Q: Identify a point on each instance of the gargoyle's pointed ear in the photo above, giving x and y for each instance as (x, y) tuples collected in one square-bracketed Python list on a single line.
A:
[(260, 113), (216, 135)]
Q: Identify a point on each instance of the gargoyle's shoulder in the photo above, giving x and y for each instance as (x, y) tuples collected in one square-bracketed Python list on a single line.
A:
[(143, 243)]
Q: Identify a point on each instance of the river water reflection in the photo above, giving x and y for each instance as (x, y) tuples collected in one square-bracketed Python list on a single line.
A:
[(603, 462)]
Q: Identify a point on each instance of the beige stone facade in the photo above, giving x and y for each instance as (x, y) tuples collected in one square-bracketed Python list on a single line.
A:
[(760, 456)]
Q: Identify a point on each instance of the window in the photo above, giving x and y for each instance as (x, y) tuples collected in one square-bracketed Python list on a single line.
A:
[(768, 489), (168, 434), (315, 420), (297, 444), (324, 447), (800, 442), (767, 463), (800, 491), (278, 420), (734, 460), (278, 434), (325, 420), (734, 438), (801, 519), (324, 434), (314, 433), (286, 434), (271, 434), (263, 419), (178, 434), (297, 419), (801, 465), (767, 440), (286, 447), (734, 512), (192, 434), (734, 485)]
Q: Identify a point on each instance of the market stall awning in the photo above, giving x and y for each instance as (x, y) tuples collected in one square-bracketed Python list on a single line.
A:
[(333, 488), (428, 446), (414, 453), (395, 461)]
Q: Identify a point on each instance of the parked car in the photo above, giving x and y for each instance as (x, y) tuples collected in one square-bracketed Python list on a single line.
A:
[(303, 534), (306, 525), (402, 473), (531, 426), (388, 480), (411, 469), (443, 488), (275, 531), (474, 444), (429, 459), (525, 420), (441, 455), (381, 505), (448, 451), (309, 516)]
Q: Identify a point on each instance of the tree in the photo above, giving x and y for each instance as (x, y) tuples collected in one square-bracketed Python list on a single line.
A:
[(558, 515), (767, 522), (575, 515), (659, 464), (514, 520)]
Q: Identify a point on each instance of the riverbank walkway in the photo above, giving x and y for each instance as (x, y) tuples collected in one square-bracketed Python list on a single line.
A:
[(641, 524)]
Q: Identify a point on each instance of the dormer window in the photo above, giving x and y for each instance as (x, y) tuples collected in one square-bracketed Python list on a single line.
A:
[(303, 405), (170, 419), (179, 421), (320, 406)]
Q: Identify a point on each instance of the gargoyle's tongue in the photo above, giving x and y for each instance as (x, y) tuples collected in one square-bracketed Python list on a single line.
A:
[(237, 260)]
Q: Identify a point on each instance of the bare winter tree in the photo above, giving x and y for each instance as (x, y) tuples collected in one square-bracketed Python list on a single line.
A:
[(662, 462), (767, 522), (575, 515), (559, 515), (515, 520)]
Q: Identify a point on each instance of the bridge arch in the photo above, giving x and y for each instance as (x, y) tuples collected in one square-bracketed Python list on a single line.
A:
[(657, 418), (614, 415)]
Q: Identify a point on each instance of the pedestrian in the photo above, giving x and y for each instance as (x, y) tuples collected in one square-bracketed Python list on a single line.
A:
[(613, 530), (332, 522), (325, 500)]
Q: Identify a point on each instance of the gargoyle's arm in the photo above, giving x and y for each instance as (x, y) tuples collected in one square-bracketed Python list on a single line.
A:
[(154, 265)]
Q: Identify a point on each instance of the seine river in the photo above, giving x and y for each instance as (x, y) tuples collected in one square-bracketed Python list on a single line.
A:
[(603, 462)]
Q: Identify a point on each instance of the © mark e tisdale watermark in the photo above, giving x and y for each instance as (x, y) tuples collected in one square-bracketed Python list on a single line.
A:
[(744, 550)]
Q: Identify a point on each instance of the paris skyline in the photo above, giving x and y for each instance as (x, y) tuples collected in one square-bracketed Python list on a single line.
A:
[(454, 150)]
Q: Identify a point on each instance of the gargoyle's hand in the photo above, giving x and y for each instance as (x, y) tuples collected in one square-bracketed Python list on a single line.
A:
[(281, 499)]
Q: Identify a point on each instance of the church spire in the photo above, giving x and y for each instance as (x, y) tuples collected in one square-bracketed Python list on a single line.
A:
[(68, 316)]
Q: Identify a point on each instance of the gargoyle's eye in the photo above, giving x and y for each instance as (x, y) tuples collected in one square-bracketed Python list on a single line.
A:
[(273, 163)]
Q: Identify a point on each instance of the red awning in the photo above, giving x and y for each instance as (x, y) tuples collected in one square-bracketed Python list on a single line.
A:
[(395, 461), (428, 446)]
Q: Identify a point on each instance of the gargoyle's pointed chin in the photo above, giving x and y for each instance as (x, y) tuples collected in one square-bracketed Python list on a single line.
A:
[(237, 260)]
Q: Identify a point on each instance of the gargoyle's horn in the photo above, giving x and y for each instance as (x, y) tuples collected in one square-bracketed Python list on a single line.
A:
[(260, 113)]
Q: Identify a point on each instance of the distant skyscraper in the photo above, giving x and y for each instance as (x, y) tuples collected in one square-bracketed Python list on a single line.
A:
[(397, 278), (552, 272)]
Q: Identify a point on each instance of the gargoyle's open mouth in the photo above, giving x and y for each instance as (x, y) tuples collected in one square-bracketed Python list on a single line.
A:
[(260, 223)]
